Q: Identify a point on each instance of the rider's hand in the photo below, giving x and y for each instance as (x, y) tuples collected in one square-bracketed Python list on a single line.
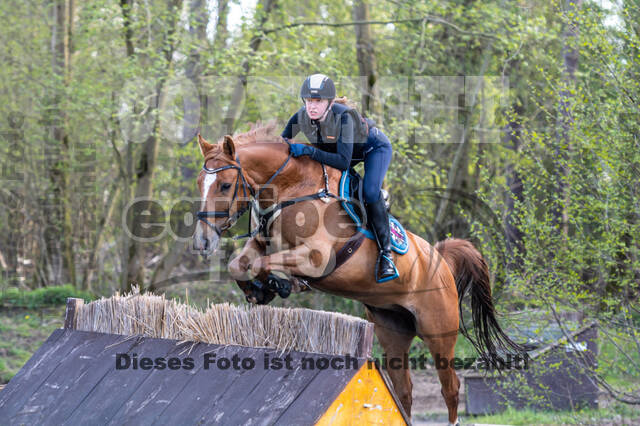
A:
[(299, 149)]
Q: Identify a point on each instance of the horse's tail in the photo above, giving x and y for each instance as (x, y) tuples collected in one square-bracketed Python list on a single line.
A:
[(472, 275)]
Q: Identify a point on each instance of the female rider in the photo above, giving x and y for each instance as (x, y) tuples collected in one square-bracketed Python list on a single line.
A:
[(340, 140)]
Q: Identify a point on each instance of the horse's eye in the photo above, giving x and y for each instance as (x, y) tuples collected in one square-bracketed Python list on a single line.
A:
[(225, 187)]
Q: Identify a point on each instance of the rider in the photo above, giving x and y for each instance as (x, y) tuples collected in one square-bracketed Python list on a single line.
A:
[(340, 139)]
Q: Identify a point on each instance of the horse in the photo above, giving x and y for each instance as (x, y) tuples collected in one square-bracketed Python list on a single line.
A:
[(303, 239)]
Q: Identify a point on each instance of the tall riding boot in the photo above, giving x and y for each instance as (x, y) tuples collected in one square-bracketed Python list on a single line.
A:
[(379, 221)]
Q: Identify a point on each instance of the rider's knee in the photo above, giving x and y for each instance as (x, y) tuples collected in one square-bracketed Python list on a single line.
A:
[(371, 194)]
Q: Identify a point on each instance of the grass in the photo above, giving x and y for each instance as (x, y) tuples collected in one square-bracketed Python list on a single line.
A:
[(27, 318), (22, 332), (615, 414)]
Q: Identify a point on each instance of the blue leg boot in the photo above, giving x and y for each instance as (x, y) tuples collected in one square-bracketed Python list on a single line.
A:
[(280, 285)]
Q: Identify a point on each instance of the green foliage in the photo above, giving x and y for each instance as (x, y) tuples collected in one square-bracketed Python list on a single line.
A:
[(45, 296)]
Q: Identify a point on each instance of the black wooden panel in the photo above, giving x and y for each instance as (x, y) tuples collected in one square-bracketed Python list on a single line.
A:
[(76, 376), (161, 387), (203, 390), (115, 391), (557, 379), (73, 380), (482, 396), (239, 389), (275, 391), (34, 375)]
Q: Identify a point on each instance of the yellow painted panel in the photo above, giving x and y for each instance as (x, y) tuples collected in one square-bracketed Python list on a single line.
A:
[(365, 400)]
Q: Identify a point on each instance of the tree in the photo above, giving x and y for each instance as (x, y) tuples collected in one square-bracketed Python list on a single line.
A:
[(366, 58)]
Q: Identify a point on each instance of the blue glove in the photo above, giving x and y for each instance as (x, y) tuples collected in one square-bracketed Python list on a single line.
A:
[(300, 149)]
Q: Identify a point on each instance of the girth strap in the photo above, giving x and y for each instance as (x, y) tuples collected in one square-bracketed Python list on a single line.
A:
[(346, 251)]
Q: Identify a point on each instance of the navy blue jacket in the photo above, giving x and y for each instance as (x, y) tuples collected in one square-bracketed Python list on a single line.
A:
[(342, 153)]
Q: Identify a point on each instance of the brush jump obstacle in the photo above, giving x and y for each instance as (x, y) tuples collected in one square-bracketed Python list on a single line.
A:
[(142, 359), (303, 233)]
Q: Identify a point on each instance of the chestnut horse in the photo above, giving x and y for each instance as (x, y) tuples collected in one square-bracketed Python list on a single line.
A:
[(304, 238)]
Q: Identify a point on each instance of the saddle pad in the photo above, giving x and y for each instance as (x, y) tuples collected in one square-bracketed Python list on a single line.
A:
[(348, 181)]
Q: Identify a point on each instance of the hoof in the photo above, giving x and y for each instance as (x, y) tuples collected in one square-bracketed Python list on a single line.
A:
[(259, 295)]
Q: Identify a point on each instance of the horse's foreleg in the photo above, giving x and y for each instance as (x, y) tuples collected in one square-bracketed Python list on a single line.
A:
[(301, 260), (240, 270), (240, 266)]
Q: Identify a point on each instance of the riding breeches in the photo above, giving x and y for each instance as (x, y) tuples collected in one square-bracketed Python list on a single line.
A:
[(376, 162)]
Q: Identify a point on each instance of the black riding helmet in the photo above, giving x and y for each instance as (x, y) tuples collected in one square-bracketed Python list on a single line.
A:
[(318, 86)]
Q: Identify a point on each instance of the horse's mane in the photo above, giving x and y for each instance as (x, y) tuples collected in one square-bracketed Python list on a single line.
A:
[(258, 132)]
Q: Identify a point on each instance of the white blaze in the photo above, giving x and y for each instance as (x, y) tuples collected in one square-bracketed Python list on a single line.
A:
[(209, 180)]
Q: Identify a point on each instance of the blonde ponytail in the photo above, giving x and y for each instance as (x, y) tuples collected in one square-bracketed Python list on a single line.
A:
[(346, 102)]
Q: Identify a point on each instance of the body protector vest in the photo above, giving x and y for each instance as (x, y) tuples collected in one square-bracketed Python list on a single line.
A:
[(327, 134)]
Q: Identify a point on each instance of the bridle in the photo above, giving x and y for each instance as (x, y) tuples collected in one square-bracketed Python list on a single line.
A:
[(265, 216), (203, 215), (233, 218)]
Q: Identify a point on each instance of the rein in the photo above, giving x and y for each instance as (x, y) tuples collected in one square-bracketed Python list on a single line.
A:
[(265, 216)]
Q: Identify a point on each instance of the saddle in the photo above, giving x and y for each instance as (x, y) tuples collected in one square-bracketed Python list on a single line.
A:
[(351, 190)]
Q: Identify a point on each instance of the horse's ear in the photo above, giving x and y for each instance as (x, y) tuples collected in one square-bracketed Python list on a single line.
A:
[(228, 146), (205, 146)]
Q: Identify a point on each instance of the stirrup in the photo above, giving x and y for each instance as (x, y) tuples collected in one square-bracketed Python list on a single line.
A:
[(384, 279)]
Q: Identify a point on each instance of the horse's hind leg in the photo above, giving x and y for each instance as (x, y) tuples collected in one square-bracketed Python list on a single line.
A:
[(442, 348), (396, 341), (441, 344)]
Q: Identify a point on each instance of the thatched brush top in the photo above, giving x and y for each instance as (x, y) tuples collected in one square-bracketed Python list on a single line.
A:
[(285, 329)]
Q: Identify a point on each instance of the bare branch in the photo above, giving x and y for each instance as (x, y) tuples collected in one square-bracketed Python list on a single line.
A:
[(425, 18), (594, 377)]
